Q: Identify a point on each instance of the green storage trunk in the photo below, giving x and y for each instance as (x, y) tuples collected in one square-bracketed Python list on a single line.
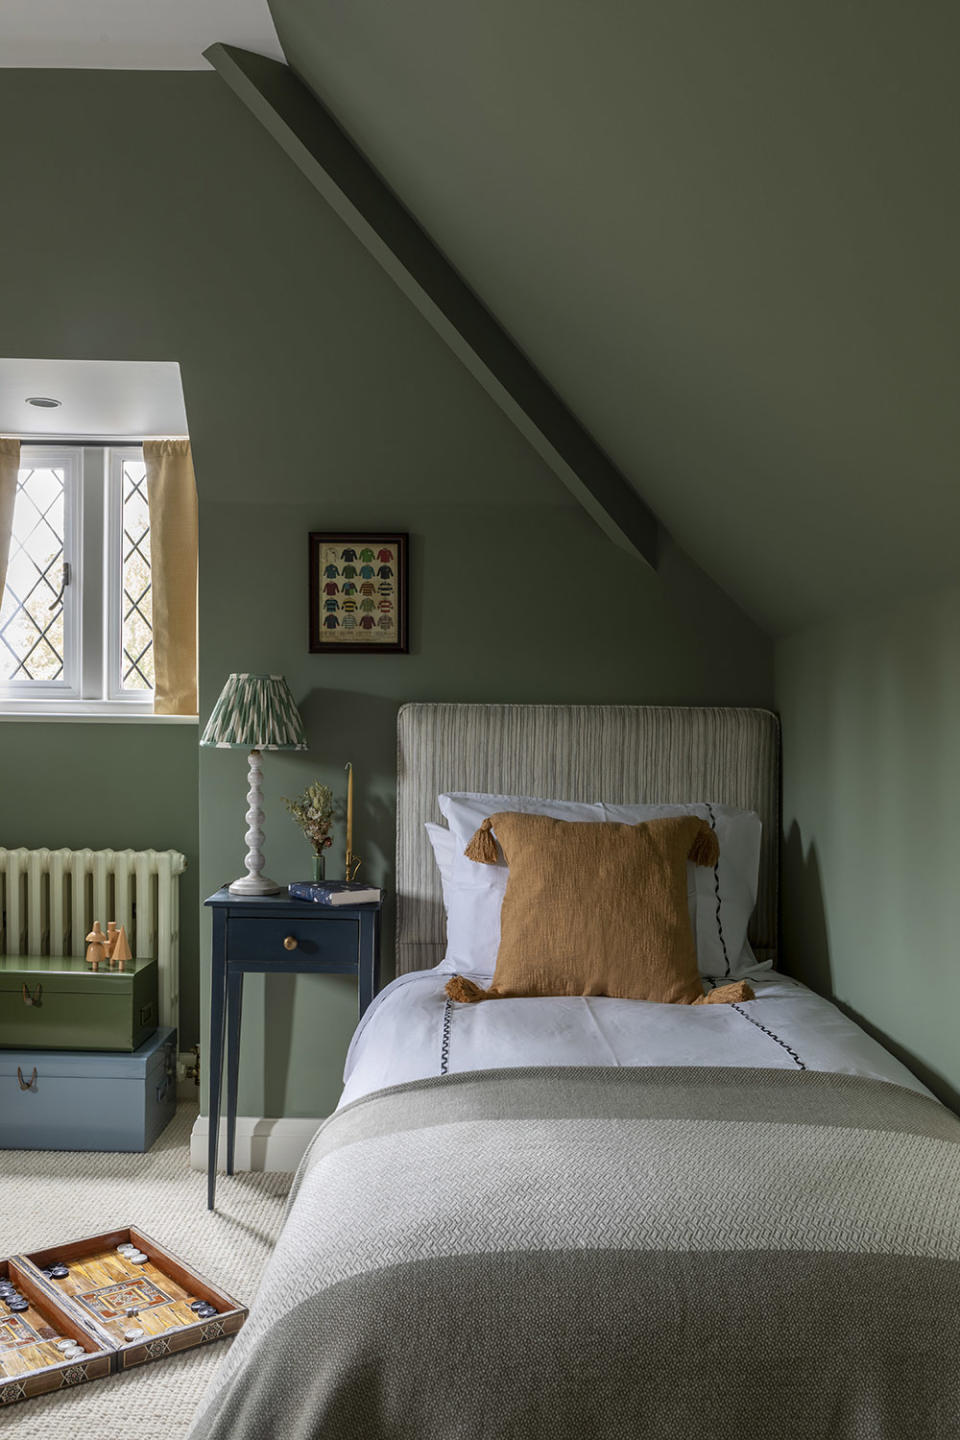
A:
[(50, 1002)]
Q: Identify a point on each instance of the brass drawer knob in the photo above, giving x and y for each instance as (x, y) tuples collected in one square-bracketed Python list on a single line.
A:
[(26, 1084), (33, 999), (290, 942)]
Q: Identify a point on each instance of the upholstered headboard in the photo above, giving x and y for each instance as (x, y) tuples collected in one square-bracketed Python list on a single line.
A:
[(619, 753)]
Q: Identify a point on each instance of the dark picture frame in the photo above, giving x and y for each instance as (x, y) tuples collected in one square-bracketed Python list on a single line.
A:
[(359, 592)]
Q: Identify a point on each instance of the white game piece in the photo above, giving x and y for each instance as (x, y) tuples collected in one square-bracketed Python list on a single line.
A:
[(138, 1257), (132, 1334), (65, 1344)]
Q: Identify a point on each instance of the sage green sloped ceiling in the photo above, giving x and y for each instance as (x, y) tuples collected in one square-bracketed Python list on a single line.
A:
[(725, 233)]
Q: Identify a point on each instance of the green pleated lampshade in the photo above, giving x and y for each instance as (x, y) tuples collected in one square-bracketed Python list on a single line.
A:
[(256, 712)]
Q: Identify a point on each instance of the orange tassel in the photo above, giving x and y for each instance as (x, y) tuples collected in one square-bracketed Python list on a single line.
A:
[(705, 849), (459, 988), (730, 994), (483, 845)]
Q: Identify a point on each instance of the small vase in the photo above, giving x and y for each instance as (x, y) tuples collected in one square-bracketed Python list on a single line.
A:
[(319, 868)]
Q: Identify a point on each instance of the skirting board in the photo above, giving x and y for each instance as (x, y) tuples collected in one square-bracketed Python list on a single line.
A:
[(261, 1144)]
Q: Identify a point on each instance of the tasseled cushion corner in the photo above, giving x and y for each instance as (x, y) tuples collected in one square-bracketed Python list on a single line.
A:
[(465, 991), (705, 849), (482, 846), (730, 994)]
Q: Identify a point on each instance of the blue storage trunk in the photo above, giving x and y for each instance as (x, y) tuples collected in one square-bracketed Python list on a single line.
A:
[(79, 1100)]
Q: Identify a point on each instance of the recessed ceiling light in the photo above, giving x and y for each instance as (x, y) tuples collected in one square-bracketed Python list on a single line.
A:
[(43, 402)]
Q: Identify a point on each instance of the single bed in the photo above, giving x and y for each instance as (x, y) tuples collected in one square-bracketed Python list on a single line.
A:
[(583, 1216)]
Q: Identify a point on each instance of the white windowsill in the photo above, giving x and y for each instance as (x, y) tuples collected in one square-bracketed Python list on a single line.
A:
[(76, 713)]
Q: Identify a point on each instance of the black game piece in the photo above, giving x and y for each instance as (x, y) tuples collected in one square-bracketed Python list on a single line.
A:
[(198, 1304), (17, 1305), (58, 1272)]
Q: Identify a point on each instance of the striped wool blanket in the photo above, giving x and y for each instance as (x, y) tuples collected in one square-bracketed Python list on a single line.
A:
[(555, 1254)]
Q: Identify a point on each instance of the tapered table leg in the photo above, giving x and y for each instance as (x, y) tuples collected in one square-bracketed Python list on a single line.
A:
[(234, 1014), (218, 985)]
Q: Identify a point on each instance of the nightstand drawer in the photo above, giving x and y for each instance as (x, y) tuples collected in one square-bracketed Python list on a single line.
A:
[(327, 943)]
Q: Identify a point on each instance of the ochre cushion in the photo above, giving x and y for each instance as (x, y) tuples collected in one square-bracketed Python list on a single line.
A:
[(594, 909)]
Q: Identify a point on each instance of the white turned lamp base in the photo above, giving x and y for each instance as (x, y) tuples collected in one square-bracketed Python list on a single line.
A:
[(254, 883)]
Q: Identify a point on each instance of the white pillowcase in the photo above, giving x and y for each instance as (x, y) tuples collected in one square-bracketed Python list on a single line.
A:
[(472, 897), (721, 900)]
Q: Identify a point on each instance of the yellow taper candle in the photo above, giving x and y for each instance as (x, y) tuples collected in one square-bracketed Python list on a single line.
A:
[(349, 856)]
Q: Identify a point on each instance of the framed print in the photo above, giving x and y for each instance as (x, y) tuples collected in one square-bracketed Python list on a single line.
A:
[(358, 592)]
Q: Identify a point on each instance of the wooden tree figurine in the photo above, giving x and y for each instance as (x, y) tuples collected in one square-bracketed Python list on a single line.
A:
[(121, 949), (111, 942), (96, 947)]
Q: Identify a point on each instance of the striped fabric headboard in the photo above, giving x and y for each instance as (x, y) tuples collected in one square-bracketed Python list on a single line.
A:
[(619, 753)]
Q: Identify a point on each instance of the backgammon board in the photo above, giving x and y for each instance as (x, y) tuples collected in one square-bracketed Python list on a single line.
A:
[(84, 1310)]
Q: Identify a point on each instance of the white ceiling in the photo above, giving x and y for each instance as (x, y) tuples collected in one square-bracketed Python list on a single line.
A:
[(107, 398), (129, 34)]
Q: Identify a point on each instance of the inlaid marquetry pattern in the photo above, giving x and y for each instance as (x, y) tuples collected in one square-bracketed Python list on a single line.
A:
[(74, 1376), (28, 1338), (92, 1304), (113, 1301), (106, 1285)]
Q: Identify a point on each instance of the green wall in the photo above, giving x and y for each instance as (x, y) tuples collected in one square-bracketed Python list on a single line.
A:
[(161, 222), (871, 904), (87, 785)]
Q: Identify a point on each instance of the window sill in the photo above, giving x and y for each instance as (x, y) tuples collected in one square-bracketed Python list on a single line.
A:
[(76, 714)]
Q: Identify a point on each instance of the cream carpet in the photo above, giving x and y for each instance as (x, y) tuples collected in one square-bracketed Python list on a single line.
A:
[(47, 1197)]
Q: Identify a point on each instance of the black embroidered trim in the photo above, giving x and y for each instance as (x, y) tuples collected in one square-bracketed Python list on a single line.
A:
[(716, 887), (445, 1037), (782, 1043)]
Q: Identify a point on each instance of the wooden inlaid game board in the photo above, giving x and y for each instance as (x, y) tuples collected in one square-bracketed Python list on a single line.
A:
[(31, 1362), (121, 1312)]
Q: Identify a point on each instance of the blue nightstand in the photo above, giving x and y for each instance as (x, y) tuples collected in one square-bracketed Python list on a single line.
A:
[(274, 934)]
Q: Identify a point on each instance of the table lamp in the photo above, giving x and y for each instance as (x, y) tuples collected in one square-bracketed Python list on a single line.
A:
[(255, 712)]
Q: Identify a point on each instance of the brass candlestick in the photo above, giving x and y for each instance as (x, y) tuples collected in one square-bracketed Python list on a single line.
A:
[(353, 862)]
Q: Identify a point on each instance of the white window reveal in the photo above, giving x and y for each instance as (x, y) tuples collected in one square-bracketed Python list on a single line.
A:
[(76, 621)]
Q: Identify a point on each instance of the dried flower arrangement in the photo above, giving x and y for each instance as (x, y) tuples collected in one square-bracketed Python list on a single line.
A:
[(313, 812)]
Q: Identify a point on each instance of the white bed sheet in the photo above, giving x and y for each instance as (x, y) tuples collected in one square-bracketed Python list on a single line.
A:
[(411, 1032)]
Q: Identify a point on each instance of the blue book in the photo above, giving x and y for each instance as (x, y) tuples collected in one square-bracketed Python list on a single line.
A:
[(335, 892)]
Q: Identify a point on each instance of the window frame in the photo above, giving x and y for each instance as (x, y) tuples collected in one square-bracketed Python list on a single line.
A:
[(93, 600), (69, 458), (115, 691)]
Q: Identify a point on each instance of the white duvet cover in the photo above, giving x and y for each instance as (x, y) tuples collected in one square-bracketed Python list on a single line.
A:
[(412, 1031)]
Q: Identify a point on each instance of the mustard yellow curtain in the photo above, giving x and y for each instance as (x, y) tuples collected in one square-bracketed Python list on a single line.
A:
[(172, 499), (9, 465)]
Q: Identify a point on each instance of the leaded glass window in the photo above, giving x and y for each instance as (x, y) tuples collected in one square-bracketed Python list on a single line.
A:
[(37, 645), (76, 618), (136, 628)]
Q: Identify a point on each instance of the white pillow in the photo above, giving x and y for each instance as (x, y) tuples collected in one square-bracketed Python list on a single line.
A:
[(472, 897), (465, 813), (444, 844), (721, 899)]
